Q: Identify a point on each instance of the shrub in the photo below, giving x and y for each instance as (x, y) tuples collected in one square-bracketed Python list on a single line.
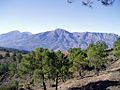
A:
[(1, 56)]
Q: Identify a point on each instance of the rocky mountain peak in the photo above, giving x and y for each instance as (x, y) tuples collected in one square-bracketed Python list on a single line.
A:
[(59, 39)]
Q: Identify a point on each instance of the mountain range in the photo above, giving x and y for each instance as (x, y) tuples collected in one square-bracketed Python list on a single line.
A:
[(58, 39)]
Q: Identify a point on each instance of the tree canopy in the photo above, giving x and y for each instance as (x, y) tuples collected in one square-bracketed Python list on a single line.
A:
[(43, 65), (117, 48), (96, 55)]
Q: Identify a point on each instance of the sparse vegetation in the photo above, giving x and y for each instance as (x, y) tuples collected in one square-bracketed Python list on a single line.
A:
[(42, 65)]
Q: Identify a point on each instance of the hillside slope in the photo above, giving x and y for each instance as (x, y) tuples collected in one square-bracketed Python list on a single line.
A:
[(101, 82)]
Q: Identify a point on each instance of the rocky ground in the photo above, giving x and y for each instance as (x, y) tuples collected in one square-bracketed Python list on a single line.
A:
[(107, 80)]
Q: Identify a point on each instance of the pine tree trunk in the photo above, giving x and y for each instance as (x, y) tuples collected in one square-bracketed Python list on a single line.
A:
[(80, 73), (96, 72), (44, 85), (57, 82)]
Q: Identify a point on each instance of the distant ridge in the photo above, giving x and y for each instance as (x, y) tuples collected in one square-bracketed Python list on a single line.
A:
[(58, 39)]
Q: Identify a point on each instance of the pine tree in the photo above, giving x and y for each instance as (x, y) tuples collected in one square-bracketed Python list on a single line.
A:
[(59, 67), (77, 60), (96, 55), (116, 48)]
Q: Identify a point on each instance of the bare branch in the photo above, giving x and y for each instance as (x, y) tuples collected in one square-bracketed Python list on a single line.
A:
[(90, 2)]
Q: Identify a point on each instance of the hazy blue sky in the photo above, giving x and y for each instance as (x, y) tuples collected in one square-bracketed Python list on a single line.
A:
[(45, 15)]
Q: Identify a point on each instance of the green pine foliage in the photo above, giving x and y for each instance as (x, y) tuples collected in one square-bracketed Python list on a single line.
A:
[(77, 59), (116, 48), (59, 67), (43, 65), (96, 55)]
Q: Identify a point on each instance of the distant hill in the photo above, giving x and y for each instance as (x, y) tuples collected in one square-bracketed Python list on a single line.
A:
[(58, 39), (3, 49)]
